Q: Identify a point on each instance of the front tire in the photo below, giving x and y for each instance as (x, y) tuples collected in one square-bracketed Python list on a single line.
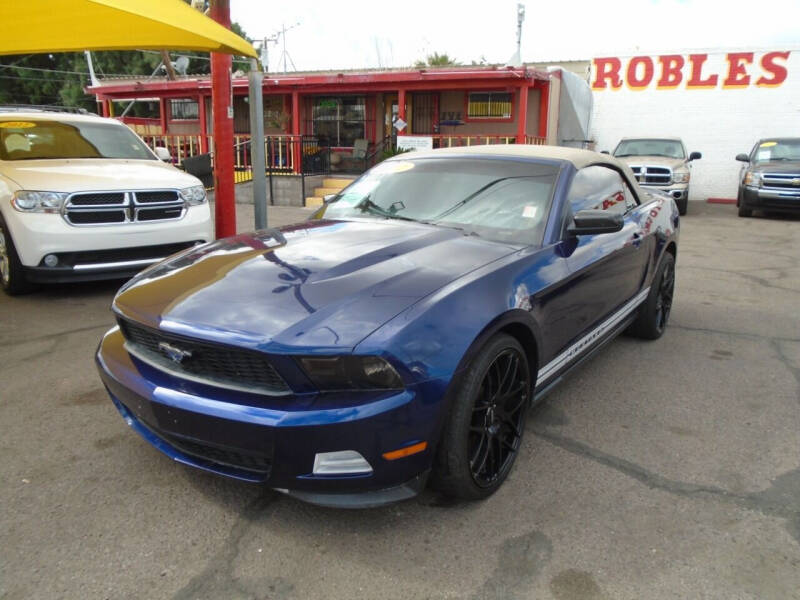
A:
[(743, 210), (654, 313), (483, 434), (12, 275), (683, 205)]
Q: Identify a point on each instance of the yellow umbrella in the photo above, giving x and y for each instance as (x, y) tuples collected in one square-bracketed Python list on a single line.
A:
[(35, 26)]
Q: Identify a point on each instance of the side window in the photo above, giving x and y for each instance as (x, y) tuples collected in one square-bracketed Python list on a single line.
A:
[(600, 188)]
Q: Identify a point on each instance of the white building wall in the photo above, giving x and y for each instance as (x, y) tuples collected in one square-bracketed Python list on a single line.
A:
[(718, 121)]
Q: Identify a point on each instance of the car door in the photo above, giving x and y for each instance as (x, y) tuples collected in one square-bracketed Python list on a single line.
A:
[(606, 270)]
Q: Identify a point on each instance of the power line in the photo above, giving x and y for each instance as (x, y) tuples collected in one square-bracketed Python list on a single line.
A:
[(25, 78), (45, 70)]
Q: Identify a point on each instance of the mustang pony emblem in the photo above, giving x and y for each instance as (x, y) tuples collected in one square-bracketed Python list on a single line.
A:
[(174, 354)]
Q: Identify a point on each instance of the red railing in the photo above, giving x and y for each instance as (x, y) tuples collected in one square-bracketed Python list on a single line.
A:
[(443, 140)]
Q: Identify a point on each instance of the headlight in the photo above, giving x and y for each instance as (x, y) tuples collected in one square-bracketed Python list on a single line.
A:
[(46, 202), (752, 179), (681, 177), (194, 195), (351, 373)]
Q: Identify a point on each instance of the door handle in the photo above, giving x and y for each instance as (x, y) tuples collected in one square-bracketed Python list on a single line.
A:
[(637, 239)]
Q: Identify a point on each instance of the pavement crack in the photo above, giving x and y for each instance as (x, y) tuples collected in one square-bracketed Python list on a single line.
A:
[(741, 334), (781, 499), (217, 579)]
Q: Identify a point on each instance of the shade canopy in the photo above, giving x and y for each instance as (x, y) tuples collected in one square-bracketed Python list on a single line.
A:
[(41, 26)]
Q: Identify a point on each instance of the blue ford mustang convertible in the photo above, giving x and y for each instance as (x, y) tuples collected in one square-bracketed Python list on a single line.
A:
[(400, 335)]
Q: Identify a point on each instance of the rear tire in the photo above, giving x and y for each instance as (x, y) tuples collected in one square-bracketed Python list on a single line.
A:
[(483, 433), (654, 313), (12, 274)]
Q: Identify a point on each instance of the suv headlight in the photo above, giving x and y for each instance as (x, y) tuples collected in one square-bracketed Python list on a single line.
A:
[(351, 373), (194, 195), (752, 179), (46, 202), (681, 177)]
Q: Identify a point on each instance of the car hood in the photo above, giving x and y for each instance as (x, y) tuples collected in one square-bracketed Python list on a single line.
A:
[(320, 284), (777, 166), (661, 161), (87, 174)]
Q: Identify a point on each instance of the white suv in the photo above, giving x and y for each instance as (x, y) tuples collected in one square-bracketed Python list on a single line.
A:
[(83, 198)]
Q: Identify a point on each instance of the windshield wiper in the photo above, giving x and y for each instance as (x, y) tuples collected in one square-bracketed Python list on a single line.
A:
[(367, 205)]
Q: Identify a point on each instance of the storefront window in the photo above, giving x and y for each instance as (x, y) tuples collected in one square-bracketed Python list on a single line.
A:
[(489, 105), (339, 120), (184, 109)]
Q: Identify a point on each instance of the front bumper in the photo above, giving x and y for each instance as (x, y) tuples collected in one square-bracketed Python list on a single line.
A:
[(766, 199), (36, 235), (273, 440), (678, 192)]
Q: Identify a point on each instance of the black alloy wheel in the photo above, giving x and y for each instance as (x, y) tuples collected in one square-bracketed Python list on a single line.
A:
[(484, 432), (654, 312), (666, 289)]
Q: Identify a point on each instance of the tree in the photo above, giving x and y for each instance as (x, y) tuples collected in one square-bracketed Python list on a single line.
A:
[(437, 60)]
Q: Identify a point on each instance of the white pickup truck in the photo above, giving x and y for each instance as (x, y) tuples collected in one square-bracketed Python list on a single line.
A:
[(84, 198)]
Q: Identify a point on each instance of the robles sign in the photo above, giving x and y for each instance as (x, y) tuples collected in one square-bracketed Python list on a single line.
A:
[(737, 70)]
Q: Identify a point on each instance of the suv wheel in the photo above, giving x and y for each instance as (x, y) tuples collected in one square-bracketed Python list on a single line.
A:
[(12, 276), (683, 205)]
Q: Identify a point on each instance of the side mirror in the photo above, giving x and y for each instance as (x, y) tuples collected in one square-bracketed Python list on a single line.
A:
[(695, 156), (326, 199), (162, 154), (604, 152), (743, 157), (592, 221)]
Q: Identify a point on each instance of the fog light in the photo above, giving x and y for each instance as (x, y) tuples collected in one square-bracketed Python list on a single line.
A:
[(343, 462), (51, 260)]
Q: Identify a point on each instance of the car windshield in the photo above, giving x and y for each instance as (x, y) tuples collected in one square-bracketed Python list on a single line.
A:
[(29, 139), (777, 150), (668, 148), (500, 200)]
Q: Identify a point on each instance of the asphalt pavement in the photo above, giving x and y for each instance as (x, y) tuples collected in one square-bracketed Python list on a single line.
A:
[(666, 469)]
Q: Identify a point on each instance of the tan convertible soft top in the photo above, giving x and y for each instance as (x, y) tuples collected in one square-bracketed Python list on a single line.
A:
[(579, 158)]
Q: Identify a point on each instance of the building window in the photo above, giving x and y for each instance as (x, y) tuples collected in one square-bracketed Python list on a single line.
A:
[(489, 105), (339, 120), (184, 109)]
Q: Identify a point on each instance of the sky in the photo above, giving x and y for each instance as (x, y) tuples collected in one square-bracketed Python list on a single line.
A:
[(355, 34)]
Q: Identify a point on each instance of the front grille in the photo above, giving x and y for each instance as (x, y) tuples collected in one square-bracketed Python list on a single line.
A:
[(106, 208), (213, 364), (782, 181), (99, 198), (249, 461), (158, 214), (223, 456), (652, 175), (160, 196), (98, 217)]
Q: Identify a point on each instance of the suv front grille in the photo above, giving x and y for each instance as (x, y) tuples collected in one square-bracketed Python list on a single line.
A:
[(652, 175), (106, 208), (205, 362)]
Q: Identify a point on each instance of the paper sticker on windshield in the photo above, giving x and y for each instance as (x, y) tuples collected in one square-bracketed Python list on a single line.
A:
[(762, 155), (16, 125), (768, 144), (395, 167), (529, 212)]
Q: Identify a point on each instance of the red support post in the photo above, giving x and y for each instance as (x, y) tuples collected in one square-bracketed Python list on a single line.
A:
[(522, 113), (222, 110), (162, 115), (201, 114), (401, 109), (297, 150), (544, 108), (104, 104)]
